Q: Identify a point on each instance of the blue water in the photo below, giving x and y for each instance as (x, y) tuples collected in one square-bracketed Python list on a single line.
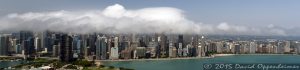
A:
[(196, 64), (5, 64)]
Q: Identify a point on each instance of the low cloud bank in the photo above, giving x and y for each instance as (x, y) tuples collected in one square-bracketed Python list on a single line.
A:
[(118, 19)]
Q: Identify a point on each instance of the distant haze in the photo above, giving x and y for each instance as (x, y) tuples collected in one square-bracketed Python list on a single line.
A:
[(117, 19)]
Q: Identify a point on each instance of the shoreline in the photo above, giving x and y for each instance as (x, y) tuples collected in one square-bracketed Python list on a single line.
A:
[(184, 58), (153, 59), (221, 55), (252, 54), (178, 58), (11, 60)]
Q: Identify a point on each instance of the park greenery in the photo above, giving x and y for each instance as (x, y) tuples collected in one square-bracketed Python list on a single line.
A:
[(9, 58), (56, 64)]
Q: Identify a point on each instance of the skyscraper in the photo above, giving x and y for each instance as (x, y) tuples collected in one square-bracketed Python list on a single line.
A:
[(28, 47), (280, 47), (55, 50), (66, 54), (186, 50), (237, 48), (232, 47), (171, 46), (219, 46), (46, 41), (180, 46), (3, 45), (13, 46), (287, 47), (162, 39), (114, 51), (151, 49), (37, 45), (298, 47), (77, 46), (101, 48), (91, 43), (139, 52), (253, 46), (54, 41), (200, 46)]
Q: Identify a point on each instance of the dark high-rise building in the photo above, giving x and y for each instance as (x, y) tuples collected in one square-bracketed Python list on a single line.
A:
[(125, 53), (91, 43), (77, 46), (66, 54), (3, 45), (54, 41), (47, 41), (101, 48), (98, 48), (180, 39), (180, 45), (237, 49), (123, 43), (212, 47), (163, 45), (24, 35), (26, 42), (28, 47)]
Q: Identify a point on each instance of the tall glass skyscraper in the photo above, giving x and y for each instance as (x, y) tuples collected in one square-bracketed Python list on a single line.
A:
[(3, 45), (66, 54), (101, 48)]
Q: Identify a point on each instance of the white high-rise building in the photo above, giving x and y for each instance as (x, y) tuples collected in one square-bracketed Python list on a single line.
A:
[(37, 44), (219, 47), (199, 50), (171, 45), (114, 51), (287, 48), (280, 47), (180, 49)]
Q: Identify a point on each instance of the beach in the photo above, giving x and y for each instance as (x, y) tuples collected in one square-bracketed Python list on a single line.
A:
[(183, 58), (178, 58)]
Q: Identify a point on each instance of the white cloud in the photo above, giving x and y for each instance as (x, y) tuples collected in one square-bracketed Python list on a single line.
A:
[(114, 11), (118, 19), (223, 26)]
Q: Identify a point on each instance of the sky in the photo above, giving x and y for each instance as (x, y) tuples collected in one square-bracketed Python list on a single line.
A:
[(221, 16)]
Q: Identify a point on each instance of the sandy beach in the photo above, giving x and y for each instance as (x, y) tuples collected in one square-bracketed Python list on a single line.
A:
[(179, 58), (182, 58), (215, 55)]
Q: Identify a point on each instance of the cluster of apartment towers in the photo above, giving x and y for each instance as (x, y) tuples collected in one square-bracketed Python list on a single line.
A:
[(99, 46)]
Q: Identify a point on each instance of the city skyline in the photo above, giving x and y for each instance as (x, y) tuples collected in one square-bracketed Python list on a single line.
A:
[(135, 46), (123, 17), (149, 35), (99, 47)]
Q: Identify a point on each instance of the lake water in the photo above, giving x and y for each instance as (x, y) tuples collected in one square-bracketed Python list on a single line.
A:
[(197, 64), (5, 64), (190, 64)]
